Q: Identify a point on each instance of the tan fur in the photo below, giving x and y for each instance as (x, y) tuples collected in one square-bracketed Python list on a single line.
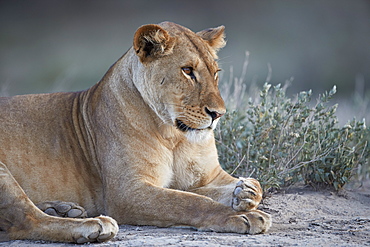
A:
[(138, 146)]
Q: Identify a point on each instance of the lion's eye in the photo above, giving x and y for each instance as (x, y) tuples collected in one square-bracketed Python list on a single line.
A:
[(189, 72)]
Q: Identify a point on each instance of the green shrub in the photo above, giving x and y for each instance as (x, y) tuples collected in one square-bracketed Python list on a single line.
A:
[(281, 141)]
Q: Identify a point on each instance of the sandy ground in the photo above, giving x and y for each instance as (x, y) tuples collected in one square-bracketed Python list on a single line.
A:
[(301, 217)]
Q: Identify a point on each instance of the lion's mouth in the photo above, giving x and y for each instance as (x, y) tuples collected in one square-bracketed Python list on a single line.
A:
[(183, 127)]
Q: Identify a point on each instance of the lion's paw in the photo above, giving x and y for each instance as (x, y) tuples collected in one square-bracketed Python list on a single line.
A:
[(247, 194), (252, 222), (99, 229), (259, 222), (62, 209)]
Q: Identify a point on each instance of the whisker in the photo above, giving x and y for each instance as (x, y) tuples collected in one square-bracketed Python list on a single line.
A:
[(174, 105)]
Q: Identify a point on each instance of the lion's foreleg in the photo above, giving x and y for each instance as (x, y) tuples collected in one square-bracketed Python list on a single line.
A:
[(166, 207), (21, 219), (242, 194)]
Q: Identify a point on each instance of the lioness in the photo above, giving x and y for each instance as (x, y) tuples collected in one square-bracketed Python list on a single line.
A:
[(137, 146)]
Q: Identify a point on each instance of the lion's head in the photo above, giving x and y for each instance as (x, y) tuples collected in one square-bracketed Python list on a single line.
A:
[(177, 75)]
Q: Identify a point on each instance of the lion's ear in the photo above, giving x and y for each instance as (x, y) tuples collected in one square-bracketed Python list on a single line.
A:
[(215, 37), (152, 41)]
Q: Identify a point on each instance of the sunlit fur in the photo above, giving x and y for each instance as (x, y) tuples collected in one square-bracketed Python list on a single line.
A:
[(138, 146)]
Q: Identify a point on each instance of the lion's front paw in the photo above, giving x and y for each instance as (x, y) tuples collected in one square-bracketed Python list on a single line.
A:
[(259, 222), (247, 194), (252, 222), (99, 229), (62, 209)]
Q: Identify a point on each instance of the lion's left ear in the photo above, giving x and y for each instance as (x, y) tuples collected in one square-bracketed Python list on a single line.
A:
[(215, 37), (151, 41)]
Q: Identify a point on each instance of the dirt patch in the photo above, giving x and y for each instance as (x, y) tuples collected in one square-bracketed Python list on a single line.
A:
[(301, 217)]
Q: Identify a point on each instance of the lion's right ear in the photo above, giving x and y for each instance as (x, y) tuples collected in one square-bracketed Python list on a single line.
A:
[(215, 37), (152, 41)]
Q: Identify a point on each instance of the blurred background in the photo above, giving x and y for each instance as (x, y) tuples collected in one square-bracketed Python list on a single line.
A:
[(64, 45)]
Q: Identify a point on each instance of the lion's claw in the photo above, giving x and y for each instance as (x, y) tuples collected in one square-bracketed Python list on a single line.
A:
[(247, 194)]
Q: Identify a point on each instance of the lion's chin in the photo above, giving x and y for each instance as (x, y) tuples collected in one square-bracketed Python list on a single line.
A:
[(199, 135), (192, 134)]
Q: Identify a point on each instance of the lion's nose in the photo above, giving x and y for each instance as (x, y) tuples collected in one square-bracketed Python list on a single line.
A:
[(214, 114)]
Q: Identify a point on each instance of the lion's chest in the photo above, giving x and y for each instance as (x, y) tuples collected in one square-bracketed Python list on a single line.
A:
[(179, 175), (190, 177), (187, 172), (188, 165)]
